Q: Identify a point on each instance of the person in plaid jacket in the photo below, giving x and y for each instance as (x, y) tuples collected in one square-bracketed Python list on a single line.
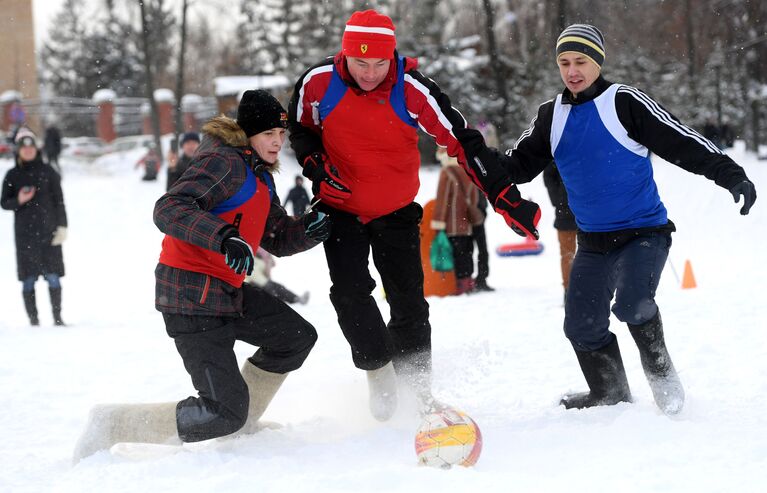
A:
[(215, 216)]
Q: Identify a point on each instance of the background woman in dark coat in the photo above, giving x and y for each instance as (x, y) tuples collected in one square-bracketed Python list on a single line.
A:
[(32, 190)]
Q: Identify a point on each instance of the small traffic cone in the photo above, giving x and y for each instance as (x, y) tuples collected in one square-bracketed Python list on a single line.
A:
[(688, 278)]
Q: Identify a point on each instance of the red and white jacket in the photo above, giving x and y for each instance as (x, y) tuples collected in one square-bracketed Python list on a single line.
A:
[(370, 136)]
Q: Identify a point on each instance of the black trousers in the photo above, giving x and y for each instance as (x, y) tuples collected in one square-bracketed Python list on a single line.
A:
[(206, 345), (394, 240), (483, 259), (463, 249)]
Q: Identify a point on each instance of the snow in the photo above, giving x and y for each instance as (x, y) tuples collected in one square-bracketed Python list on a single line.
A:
[(235, 85), (10, 95), (190, 102), (104, 96), (163, 95), (501, 357)]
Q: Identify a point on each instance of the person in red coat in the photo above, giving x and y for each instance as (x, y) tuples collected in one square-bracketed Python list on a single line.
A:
[(353, 122)]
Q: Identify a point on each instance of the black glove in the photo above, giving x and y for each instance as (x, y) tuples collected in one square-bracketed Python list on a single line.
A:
[(748, 191), (317, 225), (326, 183), (484, 161), (237, 254), (521, 215)]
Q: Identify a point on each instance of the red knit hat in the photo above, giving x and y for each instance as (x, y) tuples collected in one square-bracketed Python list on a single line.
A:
[(369, 34)]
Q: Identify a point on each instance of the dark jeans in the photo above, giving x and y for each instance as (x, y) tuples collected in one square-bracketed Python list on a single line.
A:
[(395, 242), (206, 345), (463, 262), (28, 284), (630, 273), (483, 260)]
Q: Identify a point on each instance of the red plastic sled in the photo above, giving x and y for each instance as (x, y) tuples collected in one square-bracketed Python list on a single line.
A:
[(530, 246)]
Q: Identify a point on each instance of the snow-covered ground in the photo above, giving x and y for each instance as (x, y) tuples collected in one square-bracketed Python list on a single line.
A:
[(502, 357)]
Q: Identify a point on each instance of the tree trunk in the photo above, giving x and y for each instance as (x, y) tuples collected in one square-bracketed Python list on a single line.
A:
[(691, 72), (155, 116), (180, 75), (497, 68)]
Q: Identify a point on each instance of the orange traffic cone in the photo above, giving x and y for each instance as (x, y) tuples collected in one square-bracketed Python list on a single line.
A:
[(688, 278)]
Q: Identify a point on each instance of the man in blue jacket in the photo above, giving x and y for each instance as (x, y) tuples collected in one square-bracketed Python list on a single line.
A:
[(600, 135)]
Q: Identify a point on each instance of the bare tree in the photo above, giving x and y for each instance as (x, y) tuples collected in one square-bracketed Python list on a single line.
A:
[(497, 65), (180, 73), (155, 116)]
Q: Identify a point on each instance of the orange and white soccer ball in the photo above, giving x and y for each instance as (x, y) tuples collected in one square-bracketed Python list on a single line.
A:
[(448, 438)]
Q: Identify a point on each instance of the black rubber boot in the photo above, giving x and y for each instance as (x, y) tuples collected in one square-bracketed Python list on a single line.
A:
[(56, 305), (30, 304), (605, 377), (658, 368)]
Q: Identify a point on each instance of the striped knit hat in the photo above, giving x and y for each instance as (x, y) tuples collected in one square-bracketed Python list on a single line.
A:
[(585, 39), (369, 34)]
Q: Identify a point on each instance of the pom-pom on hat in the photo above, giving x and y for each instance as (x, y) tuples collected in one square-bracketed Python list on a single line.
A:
[(369, 34), (260, 111), (585, 39)]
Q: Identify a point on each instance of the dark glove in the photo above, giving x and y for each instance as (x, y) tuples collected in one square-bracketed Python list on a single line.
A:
[(237, 254), (521, 215), (317, 225), (484, 161), (325, 181), (748, 191)]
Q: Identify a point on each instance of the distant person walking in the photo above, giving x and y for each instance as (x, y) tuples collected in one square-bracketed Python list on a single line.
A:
[(151, 163), (32, 190), (263, 262), (189, 143), (298, 196), (52, 146)]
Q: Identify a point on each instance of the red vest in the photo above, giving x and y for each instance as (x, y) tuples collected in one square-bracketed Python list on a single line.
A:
[(246, 210), (374, 149)]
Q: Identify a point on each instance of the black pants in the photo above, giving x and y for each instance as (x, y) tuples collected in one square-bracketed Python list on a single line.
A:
[(483, 259), (206, 345), (463, 249), (395, 242)]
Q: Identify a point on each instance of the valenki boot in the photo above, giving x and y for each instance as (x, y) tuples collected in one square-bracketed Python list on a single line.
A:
[(605, 376), (664, 382), (262, 386), (109, 424), (383, 391)]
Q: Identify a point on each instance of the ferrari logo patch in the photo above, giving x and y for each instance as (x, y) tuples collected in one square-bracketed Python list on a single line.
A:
[(364, 48)]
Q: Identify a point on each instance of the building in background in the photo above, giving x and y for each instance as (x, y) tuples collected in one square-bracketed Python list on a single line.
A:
[(18, 76)]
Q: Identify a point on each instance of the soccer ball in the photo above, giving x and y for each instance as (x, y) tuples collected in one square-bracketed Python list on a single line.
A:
[(447, 438)]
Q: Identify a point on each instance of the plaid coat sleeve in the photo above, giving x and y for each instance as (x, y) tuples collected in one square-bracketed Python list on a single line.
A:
[(284, 235), (183, 211)]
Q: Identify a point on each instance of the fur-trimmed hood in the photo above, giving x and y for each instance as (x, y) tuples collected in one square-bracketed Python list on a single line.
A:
[(222, 131)]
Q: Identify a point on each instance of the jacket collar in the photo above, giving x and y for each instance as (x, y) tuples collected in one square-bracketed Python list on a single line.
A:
[(592, 92)]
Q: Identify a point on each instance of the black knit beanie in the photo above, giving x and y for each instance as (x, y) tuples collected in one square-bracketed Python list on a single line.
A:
[(259, 111), (585, 39)]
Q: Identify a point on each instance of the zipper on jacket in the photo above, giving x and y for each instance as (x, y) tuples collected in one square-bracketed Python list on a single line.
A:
[(205, 290)]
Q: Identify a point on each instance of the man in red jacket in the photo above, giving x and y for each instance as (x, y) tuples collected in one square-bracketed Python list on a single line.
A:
[(353, 121)]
